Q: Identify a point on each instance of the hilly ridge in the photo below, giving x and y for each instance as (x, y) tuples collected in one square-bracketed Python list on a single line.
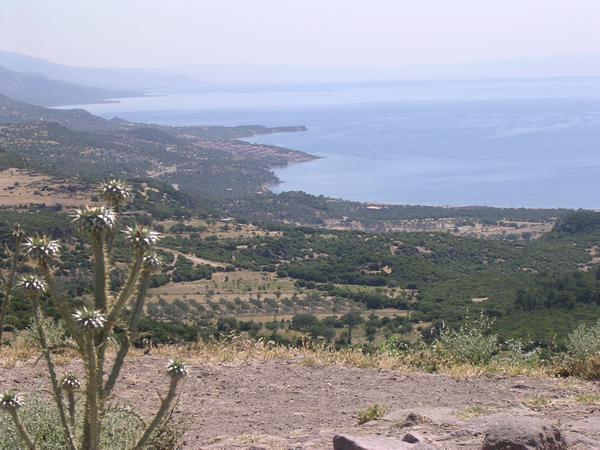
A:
[(42, 91)]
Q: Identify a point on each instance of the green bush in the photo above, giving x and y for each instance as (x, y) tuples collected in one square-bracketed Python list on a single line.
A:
[(370, 413), (472, 343), (121, 429), (584, 342), (583, 350)]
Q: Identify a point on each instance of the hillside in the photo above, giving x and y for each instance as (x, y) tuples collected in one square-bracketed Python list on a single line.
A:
[(408, 266), (113, 79), (232, 175), (207, 161), (42, 91), (13, 111)]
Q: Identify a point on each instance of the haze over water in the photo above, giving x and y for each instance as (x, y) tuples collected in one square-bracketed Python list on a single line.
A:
[(500, 143)]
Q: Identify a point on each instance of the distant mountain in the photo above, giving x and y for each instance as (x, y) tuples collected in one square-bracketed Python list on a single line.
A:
[(548, 67), (46, 92), (13, 111), (210, 77), (97, 77)]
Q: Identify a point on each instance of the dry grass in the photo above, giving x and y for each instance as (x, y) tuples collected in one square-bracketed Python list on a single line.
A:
[(239, 350), (471, 412)]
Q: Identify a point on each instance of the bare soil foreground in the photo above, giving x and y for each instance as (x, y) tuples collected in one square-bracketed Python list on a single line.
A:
[(276, 404)]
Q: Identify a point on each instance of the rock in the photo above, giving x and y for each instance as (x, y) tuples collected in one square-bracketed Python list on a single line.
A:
[(412, 438), (579, 441), (412, 419), (523, 433), (341, 442)]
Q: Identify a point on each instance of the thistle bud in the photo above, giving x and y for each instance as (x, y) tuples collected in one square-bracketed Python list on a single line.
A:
[(10, 401), (89, 319), (70, 382), (152, 262), (32, 285), (95, 219), (176, 368), (141, 237), (42, 248), (115, 192)]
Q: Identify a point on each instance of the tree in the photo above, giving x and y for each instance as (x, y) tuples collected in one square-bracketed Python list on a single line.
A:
[(351, 320), (303, 321)]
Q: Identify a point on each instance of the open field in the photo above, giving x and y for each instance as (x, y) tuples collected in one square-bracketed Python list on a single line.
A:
[(221, 229), (21, 187), (229, 285), (388, 312), (517, 230)]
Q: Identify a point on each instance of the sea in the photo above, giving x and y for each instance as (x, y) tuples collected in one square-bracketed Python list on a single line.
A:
[(510, 143)]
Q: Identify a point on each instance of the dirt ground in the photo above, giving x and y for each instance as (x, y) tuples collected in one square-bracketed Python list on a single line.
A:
[(22, 187), (287, 405)]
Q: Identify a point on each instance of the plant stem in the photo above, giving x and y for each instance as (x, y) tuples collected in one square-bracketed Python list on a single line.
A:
[(61, 304), (125, 294), (21, 429), (9, 284), (164, 407), (100, 273), (138, 308), (100, 304), (52, 371), (71, 400), (91, 427)]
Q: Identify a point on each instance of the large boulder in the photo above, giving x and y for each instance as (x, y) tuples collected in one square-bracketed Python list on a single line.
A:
[(523, 433), (410, 441)]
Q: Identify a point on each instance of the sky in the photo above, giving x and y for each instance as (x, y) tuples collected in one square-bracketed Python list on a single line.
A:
[(311, 33)]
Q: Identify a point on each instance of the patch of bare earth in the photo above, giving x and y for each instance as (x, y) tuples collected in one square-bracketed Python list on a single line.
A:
[(277, 404), (23, 187)]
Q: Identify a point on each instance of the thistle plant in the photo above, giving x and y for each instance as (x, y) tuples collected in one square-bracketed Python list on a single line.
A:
[(93, 325), (115, 193), (11, 402), (14, 255)]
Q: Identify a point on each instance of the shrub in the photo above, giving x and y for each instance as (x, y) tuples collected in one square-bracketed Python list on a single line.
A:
[(516, 354), (583, 350), (121, 428), (370, 413), (584, 342), (472, 343)]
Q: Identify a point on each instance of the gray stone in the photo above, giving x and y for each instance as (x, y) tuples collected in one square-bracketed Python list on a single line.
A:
[(412, 438), (341, 442), (523, 433)]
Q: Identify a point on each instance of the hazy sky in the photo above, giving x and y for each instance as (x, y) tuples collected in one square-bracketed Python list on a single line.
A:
[(317, 33)]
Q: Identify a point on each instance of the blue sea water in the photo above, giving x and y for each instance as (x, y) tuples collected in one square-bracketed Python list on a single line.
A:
[(520, 143)]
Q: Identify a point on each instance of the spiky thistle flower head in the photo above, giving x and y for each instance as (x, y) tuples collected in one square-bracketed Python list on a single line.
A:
[(41, 247), (176, 368), (10, 401), (70, 382), (152, 261), (89, 319), (115, 192), (141, 237), (95, 219), (33, 285), (17, 233)]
